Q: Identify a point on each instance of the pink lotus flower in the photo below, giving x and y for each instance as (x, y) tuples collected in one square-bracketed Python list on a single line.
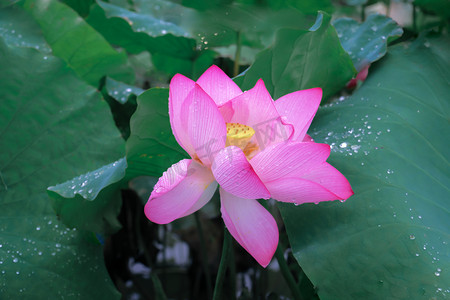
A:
[(253, 148)]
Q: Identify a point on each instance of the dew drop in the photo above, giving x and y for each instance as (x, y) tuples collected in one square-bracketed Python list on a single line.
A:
[(355, 148)]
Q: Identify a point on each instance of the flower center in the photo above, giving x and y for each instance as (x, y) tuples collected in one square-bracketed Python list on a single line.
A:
[(240, 135)]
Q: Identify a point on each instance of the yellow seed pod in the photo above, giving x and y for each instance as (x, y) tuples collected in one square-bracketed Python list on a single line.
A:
[(238, 135)]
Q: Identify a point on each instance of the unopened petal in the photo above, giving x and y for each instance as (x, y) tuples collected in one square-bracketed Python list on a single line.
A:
[(289, 159), (235, 174), (300, 107), (253, 227), (180, 87), (218, 85), (205, 125), (183, 188)]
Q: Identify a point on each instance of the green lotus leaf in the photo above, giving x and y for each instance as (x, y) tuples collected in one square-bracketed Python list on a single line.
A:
[(366, 42), (391, 239), (77, 43), (302, 59), (53, 127)]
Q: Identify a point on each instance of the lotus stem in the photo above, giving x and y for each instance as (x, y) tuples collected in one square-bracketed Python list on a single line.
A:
[(232, 266), (287, 274), (204, 257), (218, 288)]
